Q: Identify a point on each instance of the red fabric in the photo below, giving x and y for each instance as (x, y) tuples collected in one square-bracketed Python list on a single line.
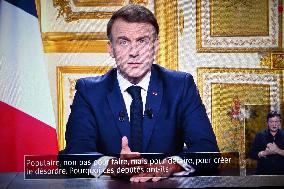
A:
[(20, 135)]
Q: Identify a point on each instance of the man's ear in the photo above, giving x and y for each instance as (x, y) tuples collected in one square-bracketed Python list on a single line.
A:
[(110, 49)]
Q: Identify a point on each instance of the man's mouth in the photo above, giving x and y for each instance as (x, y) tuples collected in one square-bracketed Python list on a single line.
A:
[(134, 63)]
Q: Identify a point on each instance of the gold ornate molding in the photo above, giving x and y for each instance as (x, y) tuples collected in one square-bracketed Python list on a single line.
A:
[(74, 42), (167, 16), (72, 90), (205, 42), (144, 2), (265, 61), (273, 60), (227, 91), (277, 60), (38, 8), (181, 21), (60, 71), (98, 3), (201, 71), (65, 10), (107, 3)]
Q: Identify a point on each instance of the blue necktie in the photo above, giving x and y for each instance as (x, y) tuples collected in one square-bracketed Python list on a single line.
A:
[(136, 118)]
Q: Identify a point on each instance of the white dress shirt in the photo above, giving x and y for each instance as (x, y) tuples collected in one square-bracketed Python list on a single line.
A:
[(124, 84)]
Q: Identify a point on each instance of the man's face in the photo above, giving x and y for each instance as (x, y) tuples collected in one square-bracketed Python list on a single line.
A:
[(133, 46), (274, 124)]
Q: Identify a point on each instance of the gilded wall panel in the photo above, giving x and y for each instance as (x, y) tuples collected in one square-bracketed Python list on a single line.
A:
[(227, 92), (238, 25), (239, 18), (228, 111)]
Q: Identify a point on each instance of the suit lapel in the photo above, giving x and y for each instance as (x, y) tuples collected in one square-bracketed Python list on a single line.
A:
[(118, 108), (153, 103)]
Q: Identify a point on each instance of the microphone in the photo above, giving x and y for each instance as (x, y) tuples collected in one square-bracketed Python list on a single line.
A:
[(149, 113), (121, 116)]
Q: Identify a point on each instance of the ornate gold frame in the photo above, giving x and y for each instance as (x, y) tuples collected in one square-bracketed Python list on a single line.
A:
[(69, 15), (202, 70), (65, 10), (75, 42), (60, 71), (90, 3), (204, 74), (167, 16), (96, 3), (202, 49)]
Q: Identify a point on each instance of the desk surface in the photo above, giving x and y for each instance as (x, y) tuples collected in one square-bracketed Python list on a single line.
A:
[(16, 181)]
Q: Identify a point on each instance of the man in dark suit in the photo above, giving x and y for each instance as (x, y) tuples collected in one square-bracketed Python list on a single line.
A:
[(108, 119), (268, 147)]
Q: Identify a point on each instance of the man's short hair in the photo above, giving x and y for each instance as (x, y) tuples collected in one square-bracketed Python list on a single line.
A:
[(273, 114), (133, 13)]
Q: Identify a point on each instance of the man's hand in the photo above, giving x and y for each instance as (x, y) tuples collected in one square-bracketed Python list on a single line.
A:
[(274, 149), (128, 164), (271, 148), (156, 172)]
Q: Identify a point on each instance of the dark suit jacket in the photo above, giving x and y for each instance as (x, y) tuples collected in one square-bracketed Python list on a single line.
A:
[(178, 116)]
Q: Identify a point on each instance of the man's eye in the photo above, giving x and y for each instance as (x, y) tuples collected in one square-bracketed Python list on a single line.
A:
[(123, 42), (141, 41)]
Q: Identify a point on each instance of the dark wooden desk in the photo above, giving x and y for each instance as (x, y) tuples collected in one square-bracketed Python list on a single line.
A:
[(16, 181)]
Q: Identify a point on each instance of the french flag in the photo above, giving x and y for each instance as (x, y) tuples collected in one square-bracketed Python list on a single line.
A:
[(27, 123)]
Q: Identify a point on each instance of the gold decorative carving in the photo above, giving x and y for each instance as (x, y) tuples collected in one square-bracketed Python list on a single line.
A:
[(265, 61), (181, 21), (277, 60), (233, 71), (166, 13), (61, 73), (97, 3), (144, 2), (38, 11), (74, 42), (239, 18), (274, 60), (72, 84), (206, 42), (65, 10)]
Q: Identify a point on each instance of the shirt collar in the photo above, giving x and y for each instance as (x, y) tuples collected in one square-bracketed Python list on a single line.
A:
[(124, 83)]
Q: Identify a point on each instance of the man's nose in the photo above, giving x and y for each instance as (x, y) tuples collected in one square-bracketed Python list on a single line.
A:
[(134, 51)]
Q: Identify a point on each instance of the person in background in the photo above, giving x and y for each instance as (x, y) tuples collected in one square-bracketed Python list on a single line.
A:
[(268, 147), (139, 106)]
